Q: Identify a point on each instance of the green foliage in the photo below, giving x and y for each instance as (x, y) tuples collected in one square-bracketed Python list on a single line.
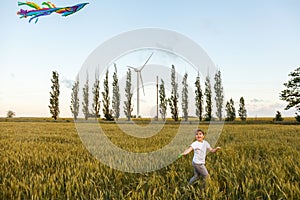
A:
[(116, 95), (128, 107), (85, 103), (198, 98), (219, 94), (48, 161), (230, 111), (297, 118), (173, 100), (54, 96), (95, 112), (242, 110), (278, 117), (291, 93), (208, 96), (10, 114), (106, 99), (163, 100), (75, 99), (185, 95)]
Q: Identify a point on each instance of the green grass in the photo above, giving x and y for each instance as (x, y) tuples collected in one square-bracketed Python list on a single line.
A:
[(46, 160)]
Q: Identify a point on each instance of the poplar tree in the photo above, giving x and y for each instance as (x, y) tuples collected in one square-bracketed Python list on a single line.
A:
[(208, 100), (219, 94), (173, 100), (242, 110), (96, 97), (54, 96), (116, 95), (230, 110), (128, 107), (198, 98), (75, 99), (185, 94), (85, 103), (163, 100), (233, 114), (106, 99)]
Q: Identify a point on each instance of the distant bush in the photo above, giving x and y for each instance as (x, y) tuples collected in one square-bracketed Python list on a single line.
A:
[(10, 114), (278, 117), (297, 118)]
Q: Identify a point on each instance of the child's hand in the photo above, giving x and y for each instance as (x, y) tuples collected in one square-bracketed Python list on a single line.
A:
[(215, 149)]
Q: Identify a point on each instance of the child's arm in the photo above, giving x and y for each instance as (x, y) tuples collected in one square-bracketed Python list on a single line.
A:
[(214, 150), (187, 151)]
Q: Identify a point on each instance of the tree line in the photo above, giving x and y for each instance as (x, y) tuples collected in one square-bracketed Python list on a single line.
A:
[(113, 112), (290, 94), (203, 99), (203, 110)]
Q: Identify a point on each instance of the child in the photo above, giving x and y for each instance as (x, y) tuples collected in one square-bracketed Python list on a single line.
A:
[(199, 146)]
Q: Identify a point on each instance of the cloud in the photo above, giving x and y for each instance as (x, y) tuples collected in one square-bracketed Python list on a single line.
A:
[(67, 83), (262, 108), (256, 100)]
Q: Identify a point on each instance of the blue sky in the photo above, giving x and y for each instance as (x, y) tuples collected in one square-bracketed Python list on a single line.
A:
[(255, 44)]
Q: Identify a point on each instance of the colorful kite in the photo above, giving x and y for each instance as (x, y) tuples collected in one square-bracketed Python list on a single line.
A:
[(49, 9)]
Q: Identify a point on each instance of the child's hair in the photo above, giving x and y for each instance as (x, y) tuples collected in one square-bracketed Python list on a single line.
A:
[(199, 130)]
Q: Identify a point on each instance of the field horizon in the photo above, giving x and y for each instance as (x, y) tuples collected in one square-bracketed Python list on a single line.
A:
[(146, 119)]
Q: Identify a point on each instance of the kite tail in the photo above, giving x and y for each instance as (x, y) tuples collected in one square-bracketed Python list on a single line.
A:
[(49, 4), (22, 13), (53, 6), (30, 4), (65, 11), (35, 17), (43, 13), (21, 3)]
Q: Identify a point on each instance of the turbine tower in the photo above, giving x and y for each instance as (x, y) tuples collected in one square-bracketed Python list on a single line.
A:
[(138, 77)]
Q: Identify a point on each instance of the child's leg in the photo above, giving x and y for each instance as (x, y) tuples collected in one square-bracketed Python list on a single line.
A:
[(204, 174), (203, 171), (195, 177), (199, 170)]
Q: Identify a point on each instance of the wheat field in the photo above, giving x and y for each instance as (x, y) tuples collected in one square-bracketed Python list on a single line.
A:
[(47, 160)]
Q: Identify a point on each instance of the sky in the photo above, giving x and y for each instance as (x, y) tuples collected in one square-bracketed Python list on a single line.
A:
[(255, 44)]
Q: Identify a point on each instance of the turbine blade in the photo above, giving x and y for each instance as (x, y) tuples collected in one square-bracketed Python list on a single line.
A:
[(146, 62), (131, 67)]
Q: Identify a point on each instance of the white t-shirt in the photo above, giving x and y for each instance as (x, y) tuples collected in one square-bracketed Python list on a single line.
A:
[(200, 151)]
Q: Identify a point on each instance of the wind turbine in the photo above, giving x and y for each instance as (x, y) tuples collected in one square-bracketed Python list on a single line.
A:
[(138, 77)]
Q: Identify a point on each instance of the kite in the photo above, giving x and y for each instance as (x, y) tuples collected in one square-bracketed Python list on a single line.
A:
[(47, 10)]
